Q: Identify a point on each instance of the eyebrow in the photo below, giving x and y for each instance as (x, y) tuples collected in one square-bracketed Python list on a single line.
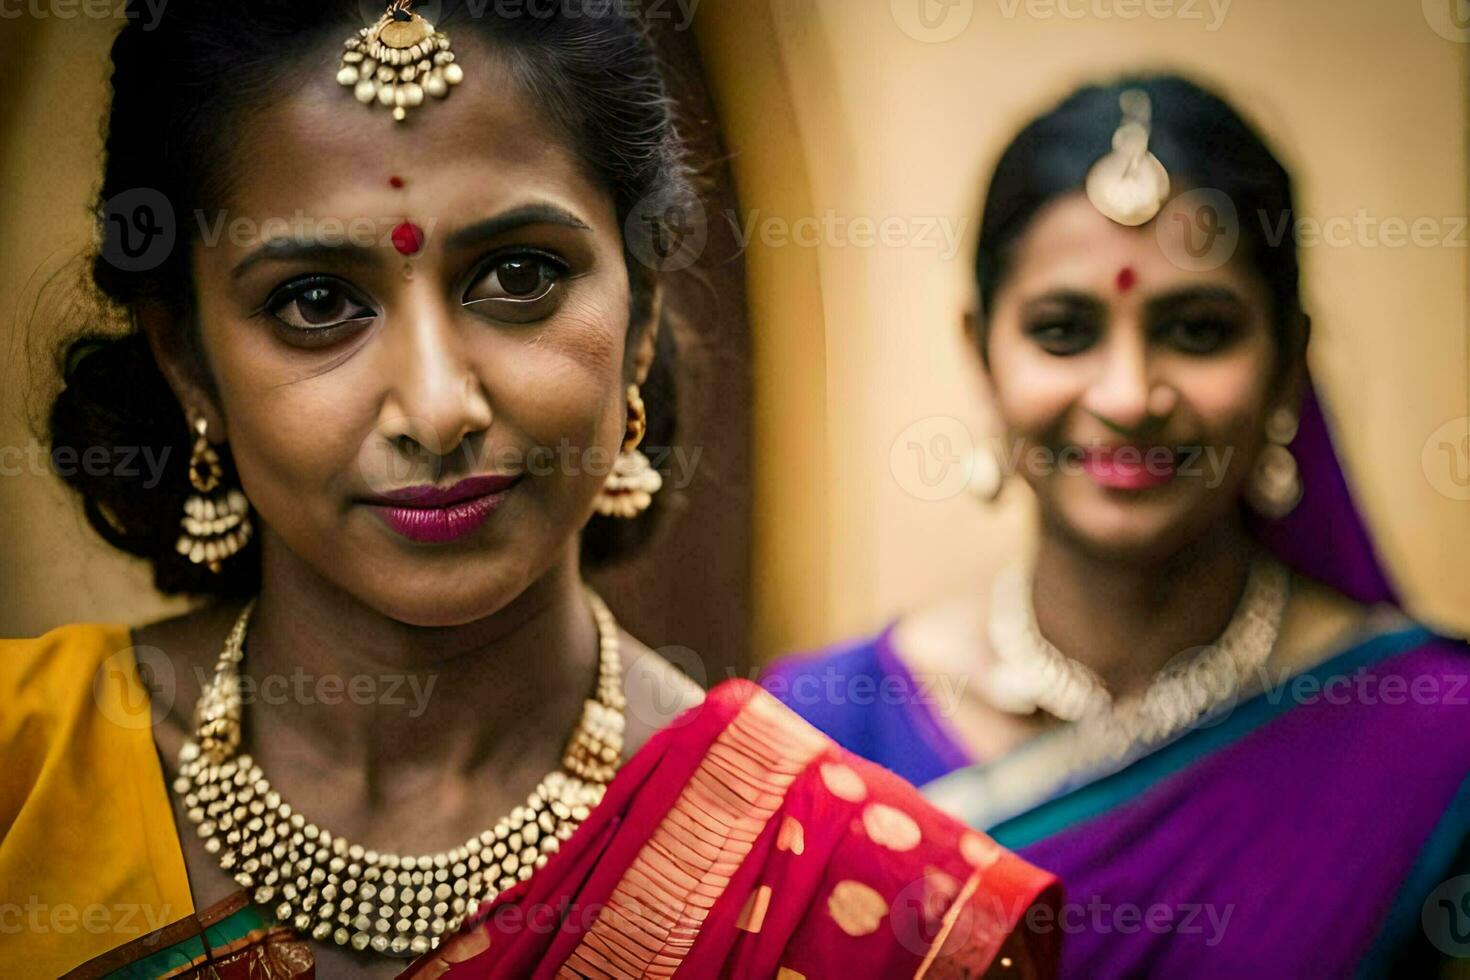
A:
[(296, 249), (1064, 297), (1193, 294), (1175, 297), (529, 214)]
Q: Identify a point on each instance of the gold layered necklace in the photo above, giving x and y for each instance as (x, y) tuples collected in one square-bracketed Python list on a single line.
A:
[(1030, 673), (332, 889)]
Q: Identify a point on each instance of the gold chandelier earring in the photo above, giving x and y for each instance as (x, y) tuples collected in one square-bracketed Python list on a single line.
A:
[(1276, 485), (216, 520), (633, 481)]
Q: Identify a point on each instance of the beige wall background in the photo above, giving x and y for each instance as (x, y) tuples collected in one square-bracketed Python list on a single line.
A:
[(896, 117), (844, 109), (53, 569)]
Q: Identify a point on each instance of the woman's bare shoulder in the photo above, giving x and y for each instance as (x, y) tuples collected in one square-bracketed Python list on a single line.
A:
[(950, 640), (948, 635), (1320, 621), (657, 693), (188, 643)]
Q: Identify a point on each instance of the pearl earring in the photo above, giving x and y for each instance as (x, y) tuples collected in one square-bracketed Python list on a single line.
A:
[(1276, 486)]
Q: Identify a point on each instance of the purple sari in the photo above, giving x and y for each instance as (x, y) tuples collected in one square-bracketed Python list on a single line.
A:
[(1320, 828)]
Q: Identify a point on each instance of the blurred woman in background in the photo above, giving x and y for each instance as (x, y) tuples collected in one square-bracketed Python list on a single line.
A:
[(1191, 701)]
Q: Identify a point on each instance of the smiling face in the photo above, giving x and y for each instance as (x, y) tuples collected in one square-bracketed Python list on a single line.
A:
[(1135, 392), (390, 306)]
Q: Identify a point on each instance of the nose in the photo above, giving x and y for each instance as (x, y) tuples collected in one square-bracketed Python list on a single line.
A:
[(1119, 394), (434, 395)]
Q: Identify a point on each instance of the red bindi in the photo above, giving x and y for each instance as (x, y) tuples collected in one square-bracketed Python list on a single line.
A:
[(408, 238), (1126, 278), (395, 181)]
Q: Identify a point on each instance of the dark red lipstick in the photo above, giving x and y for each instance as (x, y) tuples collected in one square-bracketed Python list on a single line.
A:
[(436, 515)]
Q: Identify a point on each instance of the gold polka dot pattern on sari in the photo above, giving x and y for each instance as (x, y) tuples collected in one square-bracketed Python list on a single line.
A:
[(791, 836), (843, 782), (891, 828), (753, 916), (857, 908), (979, 850)]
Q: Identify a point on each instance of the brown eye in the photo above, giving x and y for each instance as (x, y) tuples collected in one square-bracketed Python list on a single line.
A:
[(1198, 335), (1062, 335), (321, 304), (521, 278), (317, 304), (519, 287)]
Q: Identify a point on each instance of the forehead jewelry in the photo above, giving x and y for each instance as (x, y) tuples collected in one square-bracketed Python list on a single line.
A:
[(398, 60), (1129, 185)]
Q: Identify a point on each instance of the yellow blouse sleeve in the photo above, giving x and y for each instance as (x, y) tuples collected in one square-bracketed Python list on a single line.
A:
[(89, 855)]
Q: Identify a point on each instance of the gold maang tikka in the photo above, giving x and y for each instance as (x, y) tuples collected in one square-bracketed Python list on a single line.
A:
[(1129, 185), (398, 61)]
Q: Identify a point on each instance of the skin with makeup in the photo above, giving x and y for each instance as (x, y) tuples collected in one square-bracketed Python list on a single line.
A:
[(386, 427)]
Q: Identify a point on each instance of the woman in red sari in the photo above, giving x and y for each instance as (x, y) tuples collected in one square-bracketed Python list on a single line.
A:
[(385, 329)]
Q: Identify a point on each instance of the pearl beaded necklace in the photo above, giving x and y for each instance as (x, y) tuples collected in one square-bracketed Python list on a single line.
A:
[(330, 889)]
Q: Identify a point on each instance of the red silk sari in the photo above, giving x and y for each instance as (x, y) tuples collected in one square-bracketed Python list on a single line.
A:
[(740, 842)]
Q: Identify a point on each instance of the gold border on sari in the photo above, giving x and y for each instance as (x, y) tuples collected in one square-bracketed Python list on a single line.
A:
[(653, 916)]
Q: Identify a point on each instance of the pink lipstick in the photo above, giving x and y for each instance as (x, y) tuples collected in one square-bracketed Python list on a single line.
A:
[(1129, 467), (436, 515)]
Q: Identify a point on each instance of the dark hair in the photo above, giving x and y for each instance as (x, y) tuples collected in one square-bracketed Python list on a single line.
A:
[(1198, 137), (181, 81)]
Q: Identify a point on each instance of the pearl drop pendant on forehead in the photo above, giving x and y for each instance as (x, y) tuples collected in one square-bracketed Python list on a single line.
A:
[(398, 61), (1129, 185)]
